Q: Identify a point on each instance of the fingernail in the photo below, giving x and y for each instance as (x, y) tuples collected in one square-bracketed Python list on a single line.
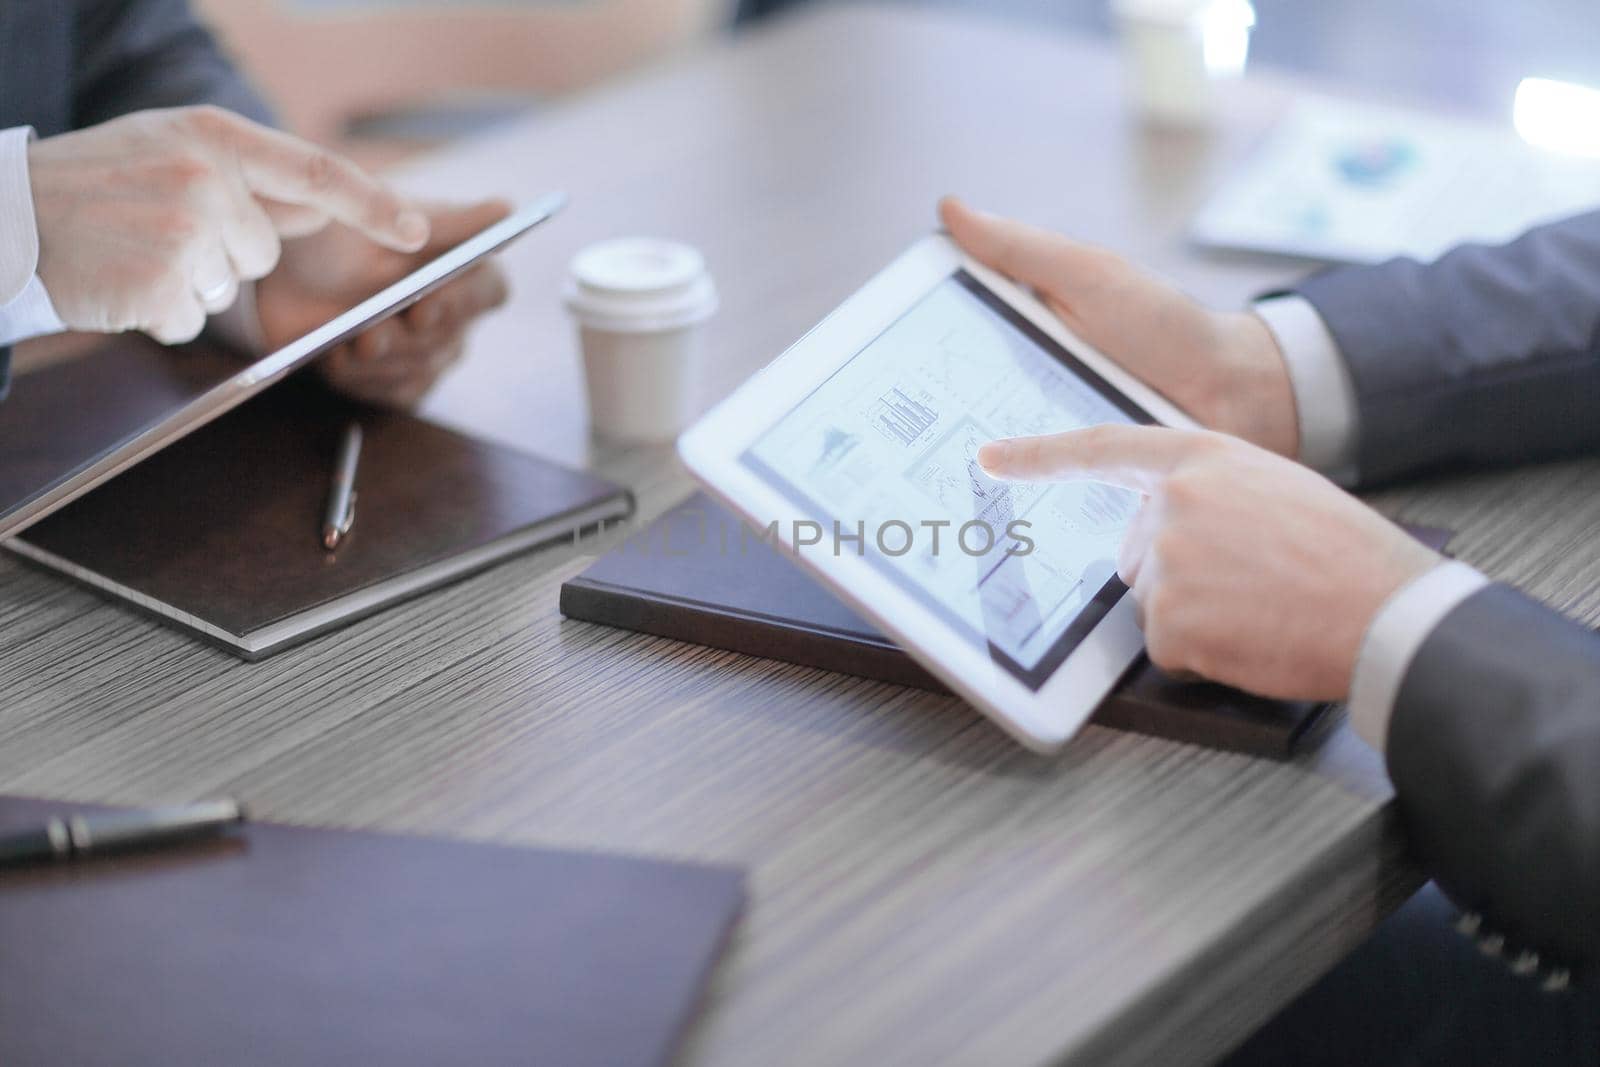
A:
[(413, 226), (992, 456)]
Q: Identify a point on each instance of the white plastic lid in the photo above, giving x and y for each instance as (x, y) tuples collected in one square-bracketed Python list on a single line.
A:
[(1174, 12), (640, 284)]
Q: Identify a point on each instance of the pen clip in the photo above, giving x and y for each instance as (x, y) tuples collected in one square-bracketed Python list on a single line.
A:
[(348, 519)]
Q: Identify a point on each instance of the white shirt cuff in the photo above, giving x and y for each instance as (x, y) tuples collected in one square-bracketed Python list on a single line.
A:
[(19, 230), (1392, 640), (25, 308), (1324, 394), (30, 314)]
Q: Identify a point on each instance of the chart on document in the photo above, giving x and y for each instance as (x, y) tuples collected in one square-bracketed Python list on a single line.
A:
[(888, 447)]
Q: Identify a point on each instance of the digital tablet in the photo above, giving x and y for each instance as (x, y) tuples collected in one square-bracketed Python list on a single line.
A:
[(36, 480), (856, 450)]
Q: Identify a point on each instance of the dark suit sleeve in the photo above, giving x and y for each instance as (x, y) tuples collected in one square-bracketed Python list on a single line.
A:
[(1494, 750), (132, 55), (1489, 355)]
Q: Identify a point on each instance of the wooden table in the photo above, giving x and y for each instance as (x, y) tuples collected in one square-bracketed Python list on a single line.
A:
[(923, 889)]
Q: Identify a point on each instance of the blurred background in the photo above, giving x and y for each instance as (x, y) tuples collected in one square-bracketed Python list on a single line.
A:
[(386, 78)]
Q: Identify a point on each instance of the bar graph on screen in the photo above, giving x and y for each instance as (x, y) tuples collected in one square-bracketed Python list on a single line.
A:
[(902, 418)]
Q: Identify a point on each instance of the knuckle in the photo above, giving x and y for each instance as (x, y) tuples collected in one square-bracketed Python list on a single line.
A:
[(1096, 437), (1215, 446), (322, 171), (1006, 250), (1158, 609), (183, 331), (180, 226), (122, 312), (1170, 647), (1029, 452), (1203, 651), (1100, 262), (383, 209), (1186, 488), (162, 329), (186, 172), (1158, 642), (208, 121), (271, 251), (259, 256), (1168, 548), (182, 318), (146, 123), (145, 278)]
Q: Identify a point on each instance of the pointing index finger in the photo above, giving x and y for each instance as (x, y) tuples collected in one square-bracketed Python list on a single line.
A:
[(1132, 457), (284, 168)]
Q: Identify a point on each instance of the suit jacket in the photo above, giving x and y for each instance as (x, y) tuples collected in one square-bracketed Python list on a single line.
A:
[(66, 64), (1491, 354)]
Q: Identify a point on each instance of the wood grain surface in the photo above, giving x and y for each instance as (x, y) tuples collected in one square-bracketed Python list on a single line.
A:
[(924, 890)]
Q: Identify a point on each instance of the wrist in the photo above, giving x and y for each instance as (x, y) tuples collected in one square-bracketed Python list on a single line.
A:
[(1399, 564), (1251, 395), (1394, 635)]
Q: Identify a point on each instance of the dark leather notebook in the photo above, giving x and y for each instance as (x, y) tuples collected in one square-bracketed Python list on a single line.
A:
[(693, 577), (286, 946), (220, 532)]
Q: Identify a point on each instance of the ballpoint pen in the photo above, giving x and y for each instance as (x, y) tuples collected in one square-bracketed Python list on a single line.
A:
[(67, 836), (341, 512)]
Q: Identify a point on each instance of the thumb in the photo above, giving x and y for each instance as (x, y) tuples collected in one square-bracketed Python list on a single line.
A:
[(450, 224), (1132, 457), (1061, 268)]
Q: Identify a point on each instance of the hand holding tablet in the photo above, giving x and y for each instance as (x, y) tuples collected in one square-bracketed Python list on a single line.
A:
[(857, 449), (1248, 569), (150, 221), (951, 457), (1223, 368), (392, 363), (52, 480)]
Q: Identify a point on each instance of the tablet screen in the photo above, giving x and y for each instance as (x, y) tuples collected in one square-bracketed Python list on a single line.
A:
[(881, 461)]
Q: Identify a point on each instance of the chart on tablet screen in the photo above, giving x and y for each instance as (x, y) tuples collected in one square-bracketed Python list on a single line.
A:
[(891, 440)]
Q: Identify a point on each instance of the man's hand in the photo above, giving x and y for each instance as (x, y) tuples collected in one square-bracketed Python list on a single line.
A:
[(395, 362), (1247, 568), (1223, 369), (150, 221)]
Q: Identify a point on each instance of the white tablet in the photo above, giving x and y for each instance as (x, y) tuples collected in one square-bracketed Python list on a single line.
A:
[(856, 451)]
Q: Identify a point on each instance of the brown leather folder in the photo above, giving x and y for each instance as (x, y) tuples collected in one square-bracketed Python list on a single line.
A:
[(691, 576), (220, 533), (286, 946)]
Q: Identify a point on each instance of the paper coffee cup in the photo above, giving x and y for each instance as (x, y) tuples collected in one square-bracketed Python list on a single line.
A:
[(639, 304), (1176, 51)]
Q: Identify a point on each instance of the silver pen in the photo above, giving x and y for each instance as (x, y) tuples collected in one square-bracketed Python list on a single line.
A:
[(341, 513), (69, 836)]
